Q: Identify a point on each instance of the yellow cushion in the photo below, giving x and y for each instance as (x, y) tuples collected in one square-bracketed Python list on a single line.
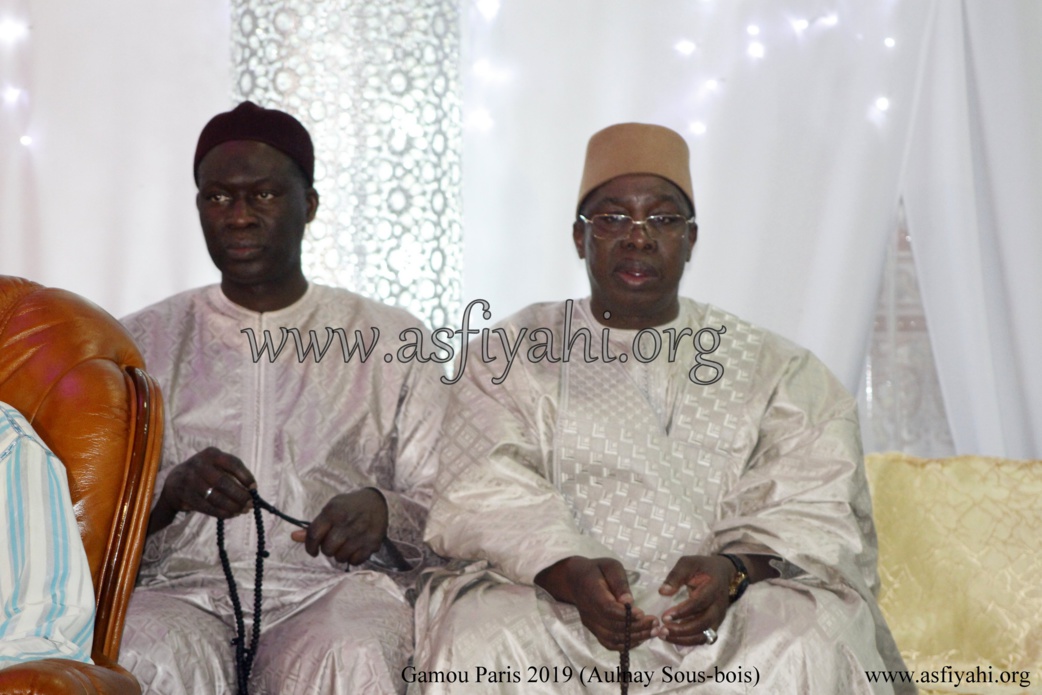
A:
[(960, 559)]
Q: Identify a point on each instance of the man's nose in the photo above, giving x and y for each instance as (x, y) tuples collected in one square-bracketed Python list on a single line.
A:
[(640, 236), (240, 213)]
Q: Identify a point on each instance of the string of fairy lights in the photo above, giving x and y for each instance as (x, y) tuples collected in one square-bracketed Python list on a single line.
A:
[(13, 31), (757, 48)]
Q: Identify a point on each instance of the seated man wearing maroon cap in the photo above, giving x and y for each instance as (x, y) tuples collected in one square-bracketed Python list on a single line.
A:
[(704, 511), (343, 444)]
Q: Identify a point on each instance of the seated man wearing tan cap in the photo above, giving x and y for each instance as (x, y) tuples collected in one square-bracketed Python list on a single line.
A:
[(717, 488), (344, 444)]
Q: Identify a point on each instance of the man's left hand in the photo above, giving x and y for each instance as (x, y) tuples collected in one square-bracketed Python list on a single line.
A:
[(708, 580), (349, 528)]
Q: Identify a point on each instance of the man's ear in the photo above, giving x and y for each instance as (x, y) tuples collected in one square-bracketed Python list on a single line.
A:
[(579, 237), (311, 195), (692, 237)]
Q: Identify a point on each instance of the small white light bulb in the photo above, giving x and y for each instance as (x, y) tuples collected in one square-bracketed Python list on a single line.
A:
[(488, 9), (882, 103), (756, 49), (480, 120), (11, 30), (685, 47)]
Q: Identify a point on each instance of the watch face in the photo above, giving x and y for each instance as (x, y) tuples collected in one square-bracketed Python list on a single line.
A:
[(738, 586), (740, 581)]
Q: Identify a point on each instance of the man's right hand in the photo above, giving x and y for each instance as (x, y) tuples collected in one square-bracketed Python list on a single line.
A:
[(599, 590), (211, 482)]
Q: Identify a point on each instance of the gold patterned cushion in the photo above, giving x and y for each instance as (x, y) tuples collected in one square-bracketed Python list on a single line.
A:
[(960, 559)]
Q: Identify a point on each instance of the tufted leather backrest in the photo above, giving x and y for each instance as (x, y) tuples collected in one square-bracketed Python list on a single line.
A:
[(76, 375)]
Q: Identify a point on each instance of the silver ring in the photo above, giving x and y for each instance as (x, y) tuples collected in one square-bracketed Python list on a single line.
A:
[(206, 497), (710, 635)]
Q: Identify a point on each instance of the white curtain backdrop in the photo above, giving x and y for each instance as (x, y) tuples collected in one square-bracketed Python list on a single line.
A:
[(795, 174), (974, 204), (113, 95), (808, 121)]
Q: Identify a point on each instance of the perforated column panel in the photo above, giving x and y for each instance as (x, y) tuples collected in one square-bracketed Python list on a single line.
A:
[(377, 85)]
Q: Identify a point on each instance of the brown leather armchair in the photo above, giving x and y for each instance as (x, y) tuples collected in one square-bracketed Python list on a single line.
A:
[(77, 376)]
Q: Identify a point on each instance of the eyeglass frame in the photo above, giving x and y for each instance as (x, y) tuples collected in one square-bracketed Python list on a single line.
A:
[(649, 230)]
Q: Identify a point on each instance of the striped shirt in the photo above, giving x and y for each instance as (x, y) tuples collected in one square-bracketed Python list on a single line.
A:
[(46, 594)]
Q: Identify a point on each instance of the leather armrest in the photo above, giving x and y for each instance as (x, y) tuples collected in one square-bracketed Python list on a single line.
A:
[(67, 677)]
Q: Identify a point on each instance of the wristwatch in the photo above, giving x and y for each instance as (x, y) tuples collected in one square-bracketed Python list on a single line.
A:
[(740, 581)]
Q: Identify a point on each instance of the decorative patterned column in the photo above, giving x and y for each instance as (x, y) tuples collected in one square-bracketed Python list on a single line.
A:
[(377, 85)]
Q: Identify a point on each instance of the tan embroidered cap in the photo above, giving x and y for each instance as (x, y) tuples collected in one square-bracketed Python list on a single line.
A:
[(636, 148)]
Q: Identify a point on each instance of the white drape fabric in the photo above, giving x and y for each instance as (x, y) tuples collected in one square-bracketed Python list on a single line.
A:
[(808, 121), (806, 125), (795, 174), (972, 193), (115, 92)]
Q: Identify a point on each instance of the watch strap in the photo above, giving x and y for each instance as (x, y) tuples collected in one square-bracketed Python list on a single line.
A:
[(740, 581)]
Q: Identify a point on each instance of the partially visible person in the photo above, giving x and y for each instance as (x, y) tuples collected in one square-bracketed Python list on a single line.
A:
[(46, 593), (349, 446)]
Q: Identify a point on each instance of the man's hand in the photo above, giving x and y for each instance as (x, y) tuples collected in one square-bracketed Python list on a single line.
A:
[(708, 580), (599, 590), (349, 528), (211, 482)]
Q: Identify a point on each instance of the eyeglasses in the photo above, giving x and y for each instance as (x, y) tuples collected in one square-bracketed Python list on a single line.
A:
[(611, 225)]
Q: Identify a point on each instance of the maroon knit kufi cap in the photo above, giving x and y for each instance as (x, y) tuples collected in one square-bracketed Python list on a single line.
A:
[(247, 121)]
